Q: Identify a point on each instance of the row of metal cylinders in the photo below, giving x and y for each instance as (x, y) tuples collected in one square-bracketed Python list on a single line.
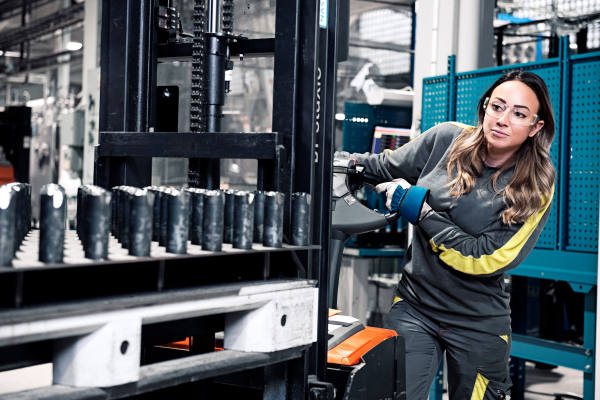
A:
[(138, 216), (209, 218)]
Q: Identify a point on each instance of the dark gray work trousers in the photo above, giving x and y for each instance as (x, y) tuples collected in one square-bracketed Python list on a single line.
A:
[(477, 362)]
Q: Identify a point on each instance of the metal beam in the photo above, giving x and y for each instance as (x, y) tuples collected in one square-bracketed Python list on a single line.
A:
[(42, 26), (127, 85), (46, 62), (188, 145), (248, 48), (381, 45), (11, 8), (546, 351)]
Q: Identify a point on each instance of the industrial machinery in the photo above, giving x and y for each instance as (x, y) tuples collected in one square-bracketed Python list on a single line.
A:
[(258, 299)]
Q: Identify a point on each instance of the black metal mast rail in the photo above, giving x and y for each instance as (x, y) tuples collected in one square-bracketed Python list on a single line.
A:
[(297, 158), (189, 144), (247, 48)]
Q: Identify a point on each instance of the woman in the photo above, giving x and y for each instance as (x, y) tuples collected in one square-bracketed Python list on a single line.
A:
[(491, 187)]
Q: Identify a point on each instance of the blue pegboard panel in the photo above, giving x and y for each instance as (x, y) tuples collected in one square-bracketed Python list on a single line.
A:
[(435, 102), (551, 74), (471, 85), (584, 157), (469, 89), (360, 120)]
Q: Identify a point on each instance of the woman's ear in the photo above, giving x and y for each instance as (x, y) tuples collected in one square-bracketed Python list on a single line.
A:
[(536, 128)]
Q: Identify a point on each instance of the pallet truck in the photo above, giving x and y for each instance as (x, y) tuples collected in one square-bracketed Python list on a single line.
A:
[(362, 362)]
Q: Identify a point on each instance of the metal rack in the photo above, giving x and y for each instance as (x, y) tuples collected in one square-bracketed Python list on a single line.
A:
[(220, 287), (568, 246)]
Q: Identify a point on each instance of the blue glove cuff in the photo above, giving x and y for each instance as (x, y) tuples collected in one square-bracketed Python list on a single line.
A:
[(411, 207), (397, 198)]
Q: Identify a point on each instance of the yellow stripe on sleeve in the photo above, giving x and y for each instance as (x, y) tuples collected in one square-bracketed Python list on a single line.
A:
[(500, 258), (480, 386), (504, 337)]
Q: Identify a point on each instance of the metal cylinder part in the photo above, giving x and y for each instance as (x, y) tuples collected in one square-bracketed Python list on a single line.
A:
[(228, 216), (140, 223), (300, 218), (119, 211), (20, 213), (28, 206), (164, 216), (82, 223), (114, 225), (197, 213), (153, 192), (214, 16), (273, 223), (243, 221), (259, 215), (157, 195), (79, 211), (189, 191), (177, 228), (52, 223), (96, 220), (18, 194), (7, 225), (212, 221), (124, 215)]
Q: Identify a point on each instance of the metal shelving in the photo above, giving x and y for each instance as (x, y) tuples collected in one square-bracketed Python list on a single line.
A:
[(247, 294)]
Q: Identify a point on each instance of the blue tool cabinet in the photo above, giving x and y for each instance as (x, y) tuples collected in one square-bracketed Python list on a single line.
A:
[(568, 247)]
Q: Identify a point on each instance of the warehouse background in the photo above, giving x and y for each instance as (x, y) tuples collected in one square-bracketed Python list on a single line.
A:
[(50, 63)]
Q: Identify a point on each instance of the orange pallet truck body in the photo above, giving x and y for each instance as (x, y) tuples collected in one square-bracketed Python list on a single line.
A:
[(365, 362)]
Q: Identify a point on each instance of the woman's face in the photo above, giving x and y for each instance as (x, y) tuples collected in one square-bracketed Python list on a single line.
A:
[(510, 118)]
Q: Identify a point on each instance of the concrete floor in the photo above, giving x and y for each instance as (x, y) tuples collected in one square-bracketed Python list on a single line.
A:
[(540, 384)]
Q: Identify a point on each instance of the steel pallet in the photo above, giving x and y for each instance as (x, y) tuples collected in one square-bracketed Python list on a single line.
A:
[(95, 345)]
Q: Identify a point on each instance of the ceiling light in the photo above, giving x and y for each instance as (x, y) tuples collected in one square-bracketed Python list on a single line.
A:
[(74, 46), (35, 103)]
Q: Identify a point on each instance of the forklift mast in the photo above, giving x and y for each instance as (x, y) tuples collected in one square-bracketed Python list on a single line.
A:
[(305, 50)]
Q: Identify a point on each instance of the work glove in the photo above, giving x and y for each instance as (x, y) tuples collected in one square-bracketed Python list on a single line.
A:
[(343, 159), (344, 181), (404, 198)]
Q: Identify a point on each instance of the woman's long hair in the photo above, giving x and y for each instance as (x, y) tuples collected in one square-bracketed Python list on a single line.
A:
[(533, 179)]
